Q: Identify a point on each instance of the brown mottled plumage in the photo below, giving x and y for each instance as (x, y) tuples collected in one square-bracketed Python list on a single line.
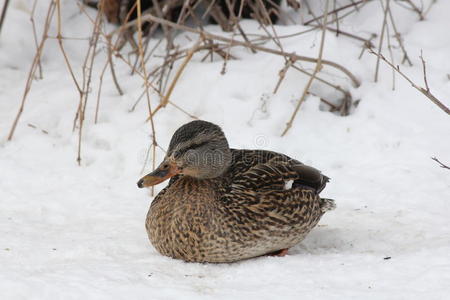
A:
[(242, 209)]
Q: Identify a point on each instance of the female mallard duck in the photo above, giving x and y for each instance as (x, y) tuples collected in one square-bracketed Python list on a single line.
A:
[(224, 205)]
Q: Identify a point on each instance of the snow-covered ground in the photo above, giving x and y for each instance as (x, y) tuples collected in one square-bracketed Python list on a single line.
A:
[(78, 232)]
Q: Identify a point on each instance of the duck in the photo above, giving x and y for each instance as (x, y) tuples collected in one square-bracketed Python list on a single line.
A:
[(223, 205)]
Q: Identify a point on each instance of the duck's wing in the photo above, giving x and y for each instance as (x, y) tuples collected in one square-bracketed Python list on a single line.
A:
[(273, 188), (259, 169)]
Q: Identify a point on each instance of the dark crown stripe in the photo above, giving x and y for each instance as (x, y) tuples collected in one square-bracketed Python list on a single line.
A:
[(190, 147)]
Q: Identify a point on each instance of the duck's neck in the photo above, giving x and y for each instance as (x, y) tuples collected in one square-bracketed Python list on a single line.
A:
[(215, 164), (189, 190)]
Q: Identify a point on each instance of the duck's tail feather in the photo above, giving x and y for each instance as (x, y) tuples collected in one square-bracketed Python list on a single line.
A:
[(327, 204)]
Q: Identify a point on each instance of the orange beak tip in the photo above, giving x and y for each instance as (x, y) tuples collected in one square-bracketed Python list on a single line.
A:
[(157, 176)]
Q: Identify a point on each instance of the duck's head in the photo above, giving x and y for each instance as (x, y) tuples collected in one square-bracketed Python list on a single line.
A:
[(198, 149)]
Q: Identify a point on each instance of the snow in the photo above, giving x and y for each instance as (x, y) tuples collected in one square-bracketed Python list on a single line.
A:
[(72, 232)]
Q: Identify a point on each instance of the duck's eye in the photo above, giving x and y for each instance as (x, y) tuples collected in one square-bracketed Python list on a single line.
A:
[(165, 166)]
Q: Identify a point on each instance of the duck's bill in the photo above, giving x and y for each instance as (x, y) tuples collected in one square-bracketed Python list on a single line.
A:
[(157, 176)]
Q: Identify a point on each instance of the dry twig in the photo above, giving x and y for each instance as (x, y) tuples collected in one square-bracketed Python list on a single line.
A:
[(282, 74), (3, 15), (399, 39), (380, 45), (87, 68), (146, 85), (33, 24), (353, 4), (33, 68), (424, 91), (440, 163), (424, 72), (212, 36), (416, 9), (316, 70), (185, 62)]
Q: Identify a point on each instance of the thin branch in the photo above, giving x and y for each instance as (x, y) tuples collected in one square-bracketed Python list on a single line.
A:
[(100, 84), (111, 66), (115, 51), (380, 45), (336, 17), (166, 98), (424, 72), (61, 46), (428, 94), (440, 163), (235, 23), (282, 74), (319, 26), (353, 4), (3, 16), (212, 36), (316, 70), (429, 8), (33, 68), (146, 84), (188, 58), (87, 68), (416, 9), (33, 25), (399, 39), (391, 54), (336, 87)]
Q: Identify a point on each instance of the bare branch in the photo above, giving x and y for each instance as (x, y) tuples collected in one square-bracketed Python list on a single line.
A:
[(33, 68), (146, 84), (166, 98), (440, 163), (353, 4), (399, 38), (33, 24), (424, 72), (428, 94), (3, 15), (316, 70), (380, 45), (212, 36)]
